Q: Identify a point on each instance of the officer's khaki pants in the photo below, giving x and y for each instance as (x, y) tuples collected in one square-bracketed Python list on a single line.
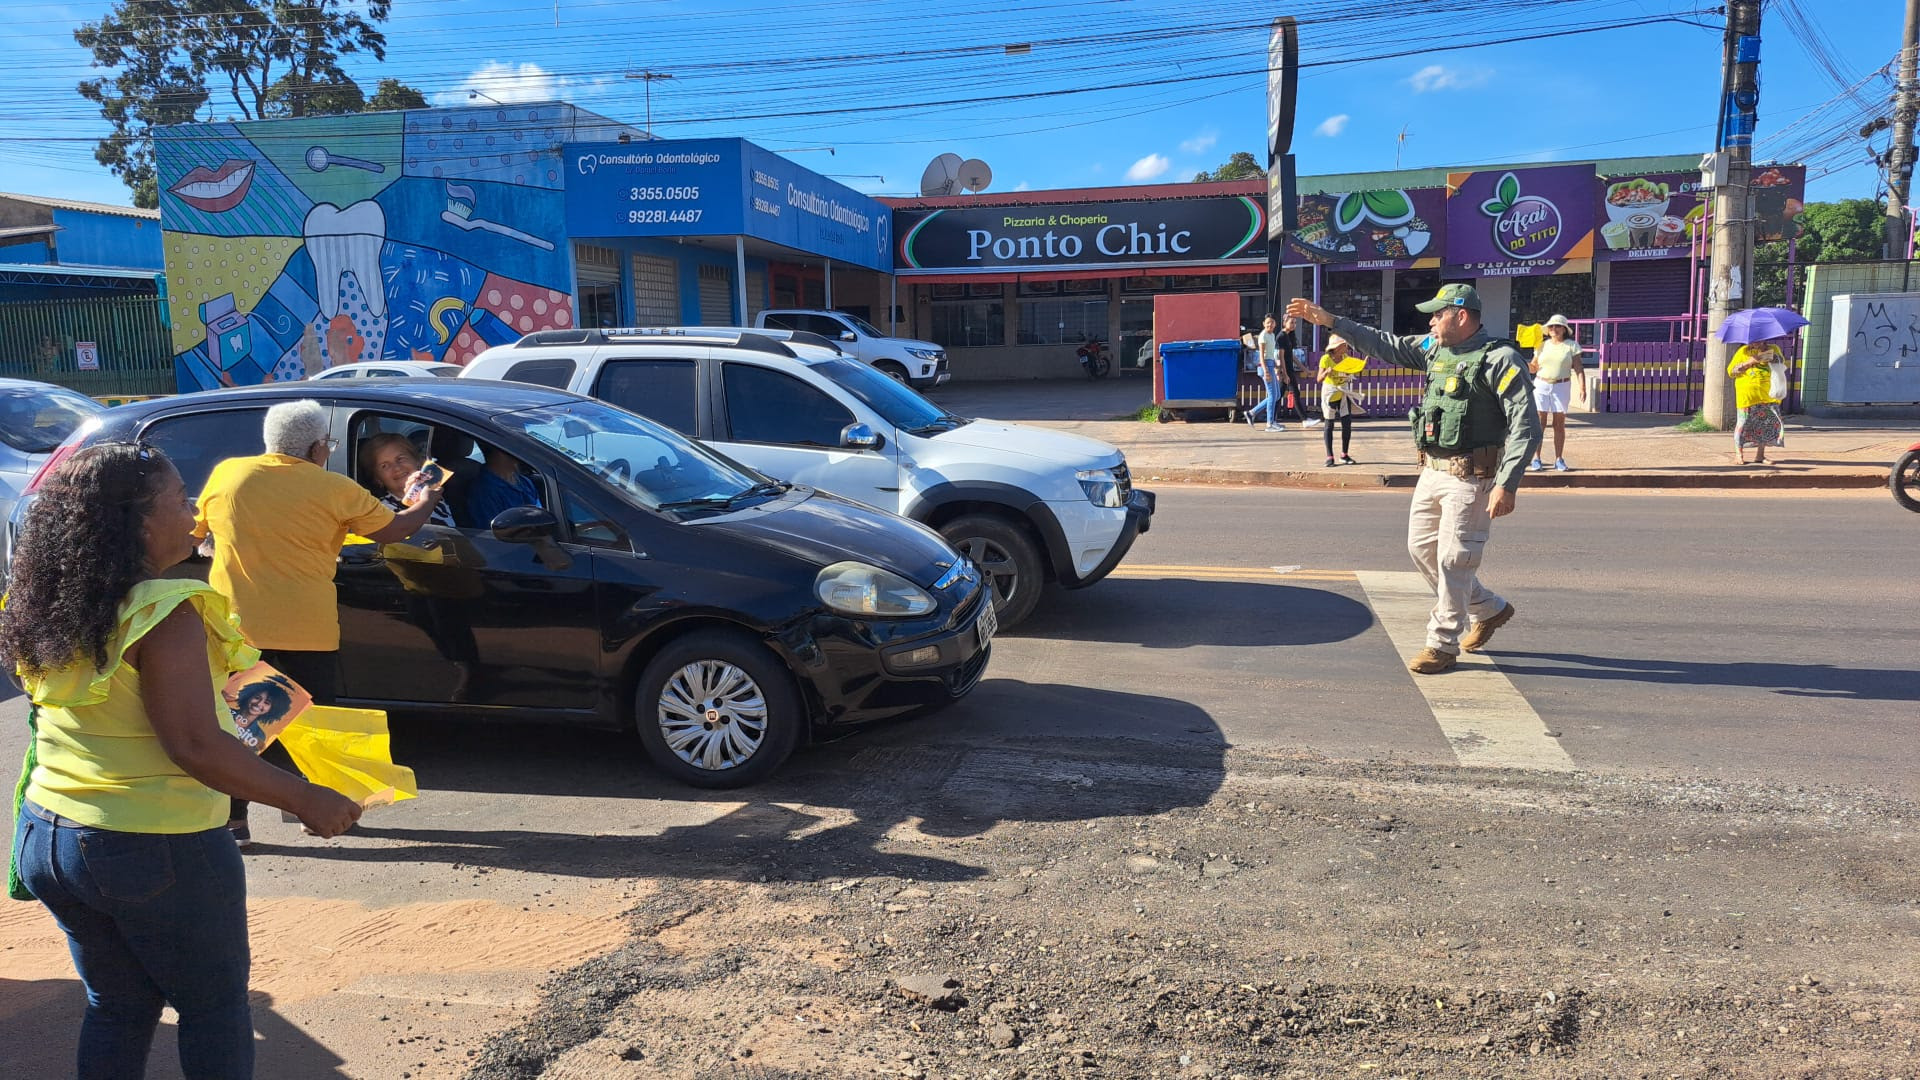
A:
[(1446, 532)]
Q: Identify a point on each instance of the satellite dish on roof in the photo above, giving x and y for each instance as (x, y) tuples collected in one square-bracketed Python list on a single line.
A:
[(942, 174), (975, 175)]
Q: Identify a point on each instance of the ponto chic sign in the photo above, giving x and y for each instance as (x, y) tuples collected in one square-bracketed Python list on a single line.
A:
[(1109, 240)]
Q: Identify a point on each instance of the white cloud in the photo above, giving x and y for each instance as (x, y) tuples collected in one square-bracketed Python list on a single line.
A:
[(1333, 125), (1149, 167), (506, 83), (1201, 143), (1440, 77), (1023, 186)]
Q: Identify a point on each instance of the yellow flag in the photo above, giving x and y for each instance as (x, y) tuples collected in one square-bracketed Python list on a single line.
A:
[(349, 751)]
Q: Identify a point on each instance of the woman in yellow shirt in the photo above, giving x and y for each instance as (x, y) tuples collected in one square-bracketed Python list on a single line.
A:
[(120, 820), (1759, 424)]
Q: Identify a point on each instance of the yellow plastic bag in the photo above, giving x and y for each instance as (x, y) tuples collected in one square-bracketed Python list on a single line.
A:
[(1529, 336), (349, 751)]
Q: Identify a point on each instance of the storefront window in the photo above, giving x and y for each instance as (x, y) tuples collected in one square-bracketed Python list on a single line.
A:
[(1062, 322), (969, 323), (1537, 298), (599, 305)]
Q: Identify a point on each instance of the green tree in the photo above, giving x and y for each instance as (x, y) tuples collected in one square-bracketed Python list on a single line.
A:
[(1829, 232), (273, 58), (1241, 166), (392, 94)]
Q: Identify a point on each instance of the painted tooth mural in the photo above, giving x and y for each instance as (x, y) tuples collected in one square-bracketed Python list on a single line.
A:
[(426, 235)]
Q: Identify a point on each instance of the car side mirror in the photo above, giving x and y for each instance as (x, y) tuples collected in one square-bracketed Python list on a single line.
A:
[(537, 527), (861, 437), (848, 335)]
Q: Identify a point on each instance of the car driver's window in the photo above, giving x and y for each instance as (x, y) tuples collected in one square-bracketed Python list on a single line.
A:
[(767, 406), (502, 483), (591, 527)]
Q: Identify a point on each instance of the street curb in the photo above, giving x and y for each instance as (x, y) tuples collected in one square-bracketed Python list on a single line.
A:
[(1339, 479)]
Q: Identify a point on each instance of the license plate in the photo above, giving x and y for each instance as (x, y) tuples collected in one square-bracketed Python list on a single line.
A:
[(988, 622)]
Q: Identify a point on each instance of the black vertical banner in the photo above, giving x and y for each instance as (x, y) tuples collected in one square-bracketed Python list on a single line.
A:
[(1283, 75)]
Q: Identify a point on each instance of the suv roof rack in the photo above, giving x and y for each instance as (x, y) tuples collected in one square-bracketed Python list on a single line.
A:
[(692, 334)]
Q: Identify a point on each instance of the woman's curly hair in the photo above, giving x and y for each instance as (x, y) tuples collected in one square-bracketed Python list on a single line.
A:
[(78, 554)]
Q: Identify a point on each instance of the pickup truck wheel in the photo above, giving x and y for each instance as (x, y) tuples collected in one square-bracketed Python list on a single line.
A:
[(717, 710), (1007, 555), (892, 371)]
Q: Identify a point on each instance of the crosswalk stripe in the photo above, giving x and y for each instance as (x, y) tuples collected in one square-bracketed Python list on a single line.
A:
[(1484, 717)]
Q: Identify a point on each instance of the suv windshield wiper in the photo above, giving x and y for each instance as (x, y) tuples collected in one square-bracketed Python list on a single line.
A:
[(946, 422)]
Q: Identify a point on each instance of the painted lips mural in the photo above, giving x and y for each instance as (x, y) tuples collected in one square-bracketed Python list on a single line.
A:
[(215, 190)]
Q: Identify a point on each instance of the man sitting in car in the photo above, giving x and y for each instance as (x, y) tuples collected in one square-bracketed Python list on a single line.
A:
[(498, 487)]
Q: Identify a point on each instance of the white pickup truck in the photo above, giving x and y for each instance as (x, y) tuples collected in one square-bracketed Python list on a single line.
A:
[(919, 364)]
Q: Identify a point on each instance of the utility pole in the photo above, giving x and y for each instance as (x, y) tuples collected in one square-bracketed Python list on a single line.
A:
[(1731, 285), (1906, 102), (649, 77)]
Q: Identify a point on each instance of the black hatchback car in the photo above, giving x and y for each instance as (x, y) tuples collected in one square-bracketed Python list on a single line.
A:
[(725, 615)]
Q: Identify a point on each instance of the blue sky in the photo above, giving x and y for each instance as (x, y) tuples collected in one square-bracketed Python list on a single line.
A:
[(1180, 82)]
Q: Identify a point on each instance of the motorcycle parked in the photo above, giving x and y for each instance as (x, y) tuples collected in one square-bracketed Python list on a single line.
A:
[(1905, 479), (1094, 359)]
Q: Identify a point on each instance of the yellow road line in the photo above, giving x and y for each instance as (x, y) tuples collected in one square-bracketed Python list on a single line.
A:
[(1483, 716)]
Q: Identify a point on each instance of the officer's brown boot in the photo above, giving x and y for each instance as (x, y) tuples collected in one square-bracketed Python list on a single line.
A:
[(1432, 662), (1480, 633)]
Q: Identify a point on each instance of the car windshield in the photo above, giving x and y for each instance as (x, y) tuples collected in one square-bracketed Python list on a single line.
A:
[(446, 372), (652, 465), (862, 325), (894, 401), (36, 421)]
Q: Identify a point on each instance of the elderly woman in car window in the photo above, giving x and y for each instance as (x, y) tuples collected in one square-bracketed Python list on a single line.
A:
[(390, 460)]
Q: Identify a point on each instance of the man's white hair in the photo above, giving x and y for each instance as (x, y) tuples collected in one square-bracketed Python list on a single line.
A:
[(292, 427)]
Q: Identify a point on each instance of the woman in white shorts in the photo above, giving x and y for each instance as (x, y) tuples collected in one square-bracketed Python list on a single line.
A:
[(1555, 366)]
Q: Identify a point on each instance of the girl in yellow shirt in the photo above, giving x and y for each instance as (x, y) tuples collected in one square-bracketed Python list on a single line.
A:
[(1759, 424), (119, 825)]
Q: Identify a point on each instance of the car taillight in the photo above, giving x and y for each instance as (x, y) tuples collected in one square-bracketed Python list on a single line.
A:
[(61, 453)]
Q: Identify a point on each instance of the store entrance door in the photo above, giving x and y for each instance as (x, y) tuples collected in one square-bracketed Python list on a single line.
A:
[(1131, 353)]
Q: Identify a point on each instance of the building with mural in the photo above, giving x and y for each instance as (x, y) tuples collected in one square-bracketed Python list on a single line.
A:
[(1010, 282), (296, 245)]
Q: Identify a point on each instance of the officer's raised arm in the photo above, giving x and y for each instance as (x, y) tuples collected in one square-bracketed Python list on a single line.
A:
[(1403, 352)]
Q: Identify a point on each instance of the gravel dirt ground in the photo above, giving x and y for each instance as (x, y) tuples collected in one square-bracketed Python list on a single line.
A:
[(1306, 919)]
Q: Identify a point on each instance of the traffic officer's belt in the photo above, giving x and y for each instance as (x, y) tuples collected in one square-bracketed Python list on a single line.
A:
[(1478, 463)]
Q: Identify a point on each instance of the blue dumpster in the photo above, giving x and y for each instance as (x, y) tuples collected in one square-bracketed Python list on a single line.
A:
[(1199, 374)]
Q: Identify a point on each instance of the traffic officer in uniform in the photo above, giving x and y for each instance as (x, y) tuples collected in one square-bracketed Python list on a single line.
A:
[(1475, 429)]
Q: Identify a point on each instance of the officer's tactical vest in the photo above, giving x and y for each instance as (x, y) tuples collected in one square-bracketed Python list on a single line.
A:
[(1460, 411)]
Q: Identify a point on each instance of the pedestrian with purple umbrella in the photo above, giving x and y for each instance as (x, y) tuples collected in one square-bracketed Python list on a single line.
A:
[(1758, 370)]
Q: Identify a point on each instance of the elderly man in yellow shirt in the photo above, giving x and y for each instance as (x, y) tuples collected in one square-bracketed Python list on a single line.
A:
[(278, 521)]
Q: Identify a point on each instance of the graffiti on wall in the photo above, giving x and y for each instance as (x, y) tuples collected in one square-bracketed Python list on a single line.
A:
[(298, 245)]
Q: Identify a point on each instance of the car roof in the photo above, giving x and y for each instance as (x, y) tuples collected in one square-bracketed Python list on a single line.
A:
[(479, 397)]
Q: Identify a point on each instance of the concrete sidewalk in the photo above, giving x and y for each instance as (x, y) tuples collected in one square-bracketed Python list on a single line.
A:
[(1614, 450)]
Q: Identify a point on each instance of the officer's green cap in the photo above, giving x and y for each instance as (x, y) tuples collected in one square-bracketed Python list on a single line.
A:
[(1452, 296)]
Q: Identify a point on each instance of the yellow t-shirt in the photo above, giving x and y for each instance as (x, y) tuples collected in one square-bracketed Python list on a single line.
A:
[(1754, 386), (1332, 380), (1556, 360), (278, 523), (99, 760)]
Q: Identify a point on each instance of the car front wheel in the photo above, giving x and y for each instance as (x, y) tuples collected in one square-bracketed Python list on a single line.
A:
[(1007, 556), (717, 710)]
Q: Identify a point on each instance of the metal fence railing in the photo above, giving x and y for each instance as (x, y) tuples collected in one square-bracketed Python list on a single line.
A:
[(40, 339)]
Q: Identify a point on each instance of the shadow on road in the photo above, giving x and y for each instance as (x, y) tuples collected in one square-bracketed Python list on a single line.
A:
[(1013, 752), (44, 1016), (1793, 680), (1179, 613)]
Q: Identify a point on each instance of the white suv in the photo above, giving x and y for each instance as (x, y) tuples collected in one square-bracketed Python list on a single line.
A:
[(920, 364), (1027, 505)]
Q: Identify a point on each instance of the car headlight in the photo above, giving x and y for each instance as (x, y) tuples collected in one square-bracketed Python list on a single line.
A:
[(925, 354), (855, 588), (1102, 488)]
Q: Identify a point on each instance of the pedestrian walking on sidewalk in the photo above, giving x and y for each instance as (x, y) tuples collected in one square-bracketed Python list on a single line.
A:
[(1475, 430), (1337, 370), (1759, 424), (1276, 345), (1556, 368)]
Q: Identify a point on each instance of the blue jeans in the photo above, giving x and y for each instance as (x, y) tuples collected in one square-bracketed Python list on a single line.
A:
[(1270, 403), (151, 919)]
